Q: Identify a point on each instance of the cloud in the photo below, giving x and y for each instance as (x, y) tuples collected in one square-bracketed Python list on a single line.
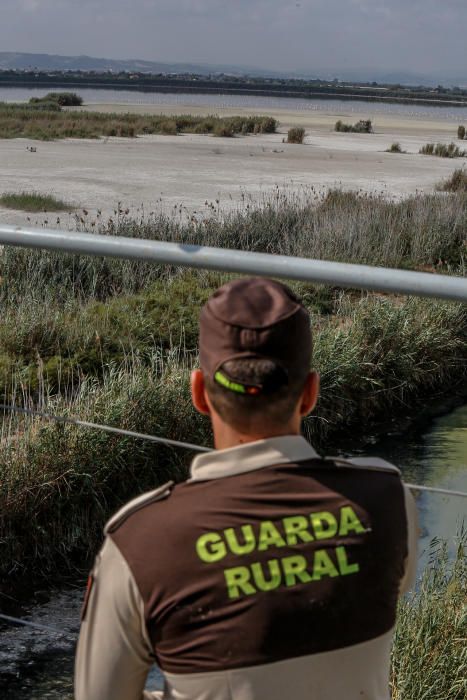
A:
[(308, 35)]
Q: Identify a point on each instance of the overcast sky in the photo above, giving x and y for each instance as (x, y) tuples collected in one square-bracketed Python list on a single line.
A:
[(424, 36)]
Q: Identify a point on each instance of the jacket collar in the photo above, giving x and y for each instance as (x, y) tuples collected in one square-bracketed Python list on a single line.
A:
[(252, 456)]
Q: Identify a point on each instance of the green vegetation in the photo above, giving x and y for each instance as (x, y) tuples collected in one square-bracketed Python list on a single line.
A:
[(456, 183), (45, 120), (429, 651), (33, 202), (364, 126), (63, 99), (296, 135), (395, 148), (443, 150), (461, 132), (113, 342)]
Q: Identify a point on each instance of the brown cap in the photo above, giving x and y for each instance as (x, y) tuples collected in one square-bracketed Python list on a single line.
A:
[(255, 318)]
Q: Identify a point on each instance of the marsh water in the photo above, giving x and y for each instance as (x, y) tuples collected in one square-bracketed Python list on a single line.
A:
[(256, 103), (36, 665)]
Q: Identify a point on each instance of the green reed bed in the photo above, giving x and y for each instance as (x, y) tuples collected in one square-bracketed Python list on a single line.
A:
[(46, 121), (421, 232), (33, 202), (429, 657)]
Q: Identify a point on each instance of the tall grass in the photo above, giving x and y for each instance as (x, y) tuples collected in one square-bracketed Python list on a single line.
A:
[(429, 656), (443, 150), (58, 484), (456, 183), (46, 121), (33, 202), (424, 231), (395, 148), (296, 135)]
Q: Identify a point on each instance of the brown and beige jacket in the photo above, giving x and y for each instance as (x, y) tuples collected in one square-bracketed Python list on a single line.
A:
[(272, 574)]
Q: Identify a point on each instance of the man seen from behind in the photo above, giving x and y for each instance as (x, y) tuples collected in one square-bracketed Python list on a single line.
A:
[(272, 572)]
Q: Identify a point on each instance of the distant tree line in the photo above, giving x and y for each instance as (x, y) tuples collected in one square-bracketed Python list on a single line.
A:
[(287, 87)]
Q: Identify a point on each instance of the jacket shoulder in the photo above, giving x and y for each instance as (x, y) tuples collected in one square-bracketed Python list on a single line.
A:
[(373, 464), (136, 504)]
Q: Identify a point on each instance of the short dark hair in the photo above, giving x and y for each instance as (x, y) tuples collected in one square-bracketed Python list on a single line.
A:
[(246, 412)]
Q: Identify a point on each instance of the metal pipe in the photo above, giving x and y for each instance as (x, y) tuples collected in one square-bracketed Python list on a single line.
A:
[(307, 270)]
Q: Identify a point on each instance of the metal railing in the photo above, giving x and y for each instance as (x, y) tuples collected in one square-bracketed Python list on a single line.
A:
[(380, 279)]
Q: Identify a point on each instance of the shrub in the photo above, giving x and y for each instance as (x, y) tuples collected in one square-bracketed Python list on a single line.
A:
[(461, 132), (395, 148), (267, 125), (33, 201), (364, 126), (456, 183), (428, 149), (65, 99), (169, 128), (443, 150), (296, 135), (223, 130), (206, 126)]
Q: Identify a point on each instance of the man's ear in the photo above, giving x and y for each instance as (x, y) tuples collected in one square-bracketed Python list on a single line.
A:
[(198, 393), (310, 394)]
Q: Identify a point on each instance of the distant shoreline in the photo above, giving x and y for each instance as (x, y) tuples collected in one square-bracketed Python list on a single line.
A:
[(220, 89)]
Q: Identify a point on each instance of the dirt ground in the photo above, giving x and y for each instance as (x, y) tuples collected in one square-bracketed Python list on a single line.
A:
[(188, 170)]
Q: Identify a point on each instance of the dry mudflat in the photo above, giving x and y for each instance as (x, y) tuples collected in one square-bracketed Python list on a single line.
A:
[(188, 170)]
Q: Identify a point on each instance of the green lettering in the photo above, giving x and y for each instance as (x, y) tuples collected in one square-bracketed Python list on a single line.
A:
[(210, 547), (345, 568), (323, 566), (295, 568), (269, 536), (324, 525), (296, 528), (238, 582), (350, 522), (235, 546), (274, 576)]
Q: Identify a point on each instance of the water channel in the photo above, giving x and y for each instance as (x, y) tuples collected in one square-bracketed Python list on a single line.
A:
[(37, 666)]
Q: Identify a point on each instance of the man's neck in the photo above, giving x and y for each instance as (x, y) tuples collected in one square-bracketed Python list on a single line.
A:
[(225, 436)]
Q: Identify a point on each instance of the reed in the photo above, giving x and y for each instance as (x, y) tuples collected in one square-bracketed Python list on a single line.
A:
[(33, 202), (46, 121), (429, 656)]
